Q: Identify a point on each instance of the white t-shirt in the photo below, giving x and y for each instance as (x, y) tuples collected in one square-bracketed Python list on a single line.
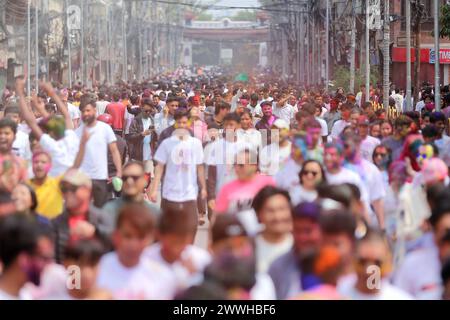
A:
[(387, 292), (222, 153), (266, 252), (181, 158), (162, 123), (367, 146), (128, 119), (63, 151), (264, 288), (74, 111), (21, 145), (324, 126), (419, 274), (348, 176), (95, 162), (299, 195), (338, 127), (287, 178), (286, 112), (147, 280), (250, 137), (199, 257), (371, 177), (146, 150), (101, 106), (269, 162)]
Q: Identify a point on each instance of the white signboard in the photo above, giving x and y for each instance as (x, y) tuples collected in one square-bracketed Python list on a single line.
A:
[(226, 54), (74, 17), (375, 15)]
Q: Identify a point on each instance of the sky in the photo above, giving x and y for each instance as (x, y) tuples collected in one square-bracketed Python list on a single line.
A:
[(233, 3)]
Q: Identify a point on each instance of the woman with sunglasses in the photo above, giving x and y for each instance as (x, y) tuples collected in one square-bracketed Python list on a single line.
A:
[(311, 176)]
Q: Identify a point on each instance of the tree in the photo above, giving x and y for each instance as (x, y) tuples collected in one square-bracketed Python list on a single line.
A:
[(244, 15), (419, 16), (445, 21), (204, 16)]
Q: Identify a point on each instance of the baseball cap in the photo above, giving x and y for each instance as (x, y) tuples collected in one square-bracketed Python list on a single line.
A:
[(227, 226), (309, 210), (264, 103), (280, 124), (77, 178)]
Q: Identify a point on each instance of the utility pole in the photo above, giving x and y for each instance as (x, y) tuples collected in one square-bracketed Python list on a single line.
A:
[(408, 55), (297, 38), (83, 79), (28, 47), (36, 43), (327, 46), (386, 54), (69, 51), (314, 52), (353, 49), (124, 44), (284, 51), (302, 46), (308, 45), (367, 51), (437, 80)]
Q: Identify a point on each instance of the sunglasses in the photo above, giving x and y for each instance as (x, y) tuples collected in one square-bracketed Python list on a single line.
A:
[(134, 177), (66, 188), (147, 111), (313, 173), (367, 261)]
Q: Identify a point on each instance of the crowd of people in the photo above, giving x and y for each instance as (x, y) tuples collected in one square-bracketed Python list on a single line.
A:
[(304, 194)]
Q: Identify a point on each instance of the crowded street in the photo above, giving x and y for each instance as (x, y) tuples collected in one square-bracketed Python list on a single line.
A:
[(175, 168)]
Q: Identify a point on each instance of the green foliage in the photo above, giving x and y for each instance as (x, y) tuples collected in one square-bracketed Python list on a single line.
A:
[(204, 16), (342, 77), (244, 15), (444, 21)]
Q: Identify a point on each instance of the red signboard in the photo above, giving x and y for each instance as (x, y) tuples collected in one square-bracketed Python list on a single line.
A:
[(399, 55)]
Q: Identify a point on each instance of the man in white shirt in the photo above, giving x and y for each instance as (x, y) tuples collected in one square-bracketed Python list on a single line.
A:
[(21, 144), (59, 141), (174, 249), (314, 111), (340, 125), (336, 174), (370, 176), (24, 253), (181, 156), (95, 160), (274, 156), (126, 272), (165, 118), (74, 111), (373, 263), (288, 177), (273, 209), (283, 110), (220, 157), (368, 143), (101, 103)]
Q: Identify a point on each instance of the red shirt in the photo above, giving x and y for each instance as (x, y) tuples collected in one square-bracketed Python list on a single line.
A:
[(117, 111), (73, 221)]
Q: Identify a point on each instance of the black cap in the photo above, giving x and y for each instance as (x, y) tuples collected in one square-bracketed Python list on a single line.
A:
[(227, 226)]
